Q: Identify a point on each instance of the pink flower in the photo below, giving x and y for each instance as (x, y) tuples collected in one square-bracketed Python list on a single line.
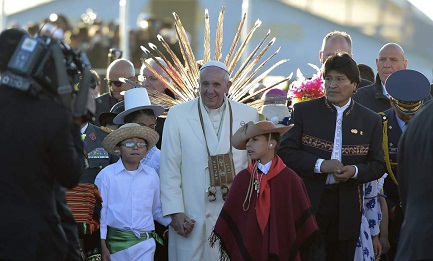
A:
[(304, 89)]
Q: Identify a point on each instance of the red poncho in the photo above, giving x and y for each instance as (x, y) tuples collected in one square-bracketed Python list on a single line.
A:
[(287, 226)]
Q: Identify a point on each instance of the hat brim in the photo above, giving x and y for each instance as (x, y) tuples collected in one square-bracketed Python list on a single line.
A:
[(106, 118), (249, 130), (157, 110), (121, 134)]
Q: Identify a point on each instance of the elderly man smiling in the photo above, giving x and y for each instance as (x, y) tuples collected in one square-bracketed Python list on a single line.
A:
[(195, 134)]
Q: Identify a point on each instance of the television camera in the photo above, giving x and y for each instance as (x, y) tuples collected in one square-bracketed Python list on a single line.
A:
[(46, 67)]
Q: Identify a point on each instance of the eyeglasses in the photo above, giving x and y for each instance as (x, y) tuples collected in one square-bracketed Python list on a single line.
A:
[(131, 144), (116, 83)]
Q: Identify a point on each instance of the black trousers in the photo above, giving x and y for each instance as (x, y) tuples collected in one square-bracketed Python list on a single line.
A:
[(327, 218)]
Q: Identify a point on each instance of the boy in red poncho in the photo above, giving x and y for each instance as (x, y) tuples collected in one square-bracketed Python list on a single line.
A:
[(266, 215)]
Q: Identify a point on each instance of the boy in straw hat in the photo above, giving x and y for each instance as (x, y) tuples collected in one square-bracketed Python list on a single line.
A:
[(267, 203), (138, 109), (130, 196)]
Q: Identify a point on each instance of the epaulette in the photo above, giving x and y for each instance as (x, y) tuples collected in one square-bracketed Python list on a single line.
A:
[(106, 130)]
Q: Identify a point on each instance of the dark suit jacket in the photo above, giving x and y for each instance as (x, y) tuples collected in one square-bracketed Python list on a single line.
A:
[(39, 144), (371, 96), (312, 138), (415, 177), (103, 104)]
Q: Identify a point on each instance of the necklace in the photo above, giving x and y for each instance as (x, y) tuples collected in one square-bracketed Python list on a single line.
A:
[(257, 182), (254, 185)]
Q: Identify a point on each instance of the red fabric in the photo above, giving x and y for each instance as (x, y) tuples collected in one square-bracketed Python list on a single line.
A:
[(289, 225), (263, 205)]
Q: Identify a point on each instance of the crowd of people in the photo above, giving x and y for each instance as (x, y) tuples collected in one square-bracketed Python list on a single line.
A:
[(210, 178)]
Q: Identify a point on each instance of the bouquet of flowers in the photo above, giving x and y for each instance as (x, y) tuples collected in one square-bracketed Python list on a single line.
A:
[(304, 89)]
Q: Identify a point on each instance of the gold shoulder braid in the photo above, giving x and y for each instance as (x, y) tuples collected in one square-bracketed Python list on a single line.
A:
[(386, 149), (106, 130), (221, 166)]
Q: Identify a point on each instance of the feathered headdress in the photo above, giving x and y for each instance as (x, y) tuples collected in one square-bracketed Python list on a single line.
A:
[(184, 76)]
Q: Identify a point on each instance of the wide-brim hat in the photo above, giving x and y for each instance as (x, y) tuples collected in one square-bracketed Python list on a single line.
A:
[(128, 131), (137, 99), (251, 129)]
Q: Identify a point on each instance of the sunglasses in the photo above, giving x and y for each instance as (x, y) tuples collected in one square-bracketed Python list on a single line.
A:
[(116, 83), (131, 144)]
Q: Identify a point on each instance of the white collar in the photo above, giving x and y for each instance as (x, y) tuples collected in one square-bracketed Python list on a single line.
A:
[(384, 90), (344, 107), (84, 128), (264, 167)]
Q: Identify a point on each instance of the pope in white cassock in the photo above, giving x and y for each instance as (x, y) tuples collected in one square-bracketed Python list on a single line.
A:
[(192, 131)]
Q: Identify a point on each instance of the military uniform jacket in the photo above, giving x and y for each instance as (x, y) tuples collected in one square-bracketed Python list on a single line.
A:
[(393, 132), (312, 138), (97, 157)]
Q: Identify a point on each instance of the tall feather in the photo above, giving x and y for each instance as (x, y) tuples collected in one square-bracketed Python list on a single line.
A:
[(243, 46), (235, 42), (206, 55), (219, 35)]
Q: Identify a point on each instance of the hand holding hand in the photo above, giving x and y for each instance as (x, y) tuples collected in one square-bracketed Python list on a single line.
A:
[(331, 166), (345, 173), (182, 224)]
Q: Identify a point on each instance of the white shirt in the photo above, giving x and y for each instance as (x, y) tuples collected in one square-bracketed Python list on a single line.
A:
[(84, 128), (215, 116), (152, 159), (384, 90), (264, 167), (130, 199), (401, 123), (338, 144)]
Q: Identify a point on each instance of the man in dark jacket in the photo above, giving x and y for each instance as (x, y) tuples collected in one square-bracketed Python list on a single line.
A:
[(416, 187), (335, 145), (118, 68), (374, 96), (40, 145), (407, 89)]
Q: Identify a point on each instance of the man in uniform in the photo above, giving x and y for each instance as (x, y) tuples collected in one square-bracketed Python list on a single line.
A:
[(407, 90)]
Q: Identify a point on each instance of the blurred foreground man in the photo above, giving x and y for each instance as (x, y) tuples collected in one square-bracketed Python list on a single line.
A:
[(40, 145)]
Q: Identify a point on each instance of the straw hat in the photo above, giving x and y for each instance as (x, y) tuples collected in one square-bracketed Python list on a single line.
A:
[(137, 99), (251, 129), (128, 131)]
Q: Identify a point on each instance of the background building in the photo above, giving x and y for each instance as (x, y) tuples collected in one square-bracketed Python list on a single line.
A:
[(298, 25)]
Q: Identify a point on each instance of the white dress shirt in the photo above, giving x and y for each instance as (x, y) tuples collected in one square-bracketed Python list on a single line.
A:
[(215, 116), (264, 167), (338, 144), (152, 159), (130, 199)]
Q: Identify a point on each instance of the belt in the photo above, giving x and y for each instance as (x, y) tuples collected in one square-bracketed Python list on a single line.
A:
[(118, 240), (332, 187)]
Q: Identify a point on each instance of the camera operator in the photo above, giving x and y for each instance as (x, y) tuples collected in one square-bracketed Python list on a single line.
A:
[(40, 145)]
